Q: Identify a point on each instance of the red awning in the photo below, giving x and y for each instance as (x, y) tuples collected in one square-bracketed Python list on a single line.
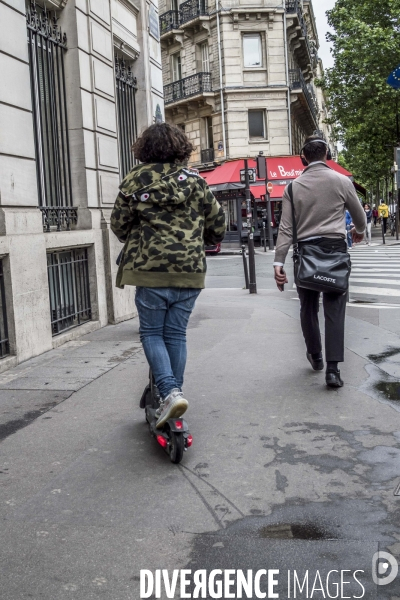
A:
[(281, 169)]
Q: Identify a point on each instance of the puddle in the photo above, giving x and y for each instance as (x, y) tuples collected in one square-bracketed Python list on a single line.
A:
[(11, 427), (379, 358), (390, 389), (296, 531)]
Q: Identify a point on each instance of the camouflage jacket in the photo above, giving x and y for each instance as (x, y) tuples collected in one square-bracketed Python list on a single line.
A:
[(165, 214)]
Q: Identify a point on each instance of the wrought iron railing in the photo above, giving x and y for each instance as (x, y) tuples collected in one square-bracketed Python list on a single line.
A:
[(46, 46), (297, 81), (169, 21), (4, 341), (59, 217), (294, 6), (207, 155), (188, 11), (68, 273), (126, 86), (187, 87), (192, 9)]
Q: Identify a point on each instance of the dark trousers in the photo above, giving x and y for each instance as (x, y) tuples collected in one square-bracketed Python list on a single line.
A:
[(334, 311)]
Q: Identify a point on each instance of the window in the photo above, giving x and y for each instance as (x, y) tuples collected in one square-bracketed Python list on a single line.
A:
[(4, 342), (252, 50), (205, 58), (46, 46), (69, 289), (174, 4), (126, 113), (207, 154), (176, 67), (257, 124)]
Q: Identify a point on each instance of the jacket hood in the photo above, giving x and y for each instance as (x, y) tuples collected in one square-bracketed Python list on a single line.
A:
[(160, 183)]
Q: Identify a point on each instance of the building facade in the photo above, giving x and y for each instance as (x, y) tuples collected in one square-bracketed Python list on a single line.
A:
[(239, 75), (79, 80)]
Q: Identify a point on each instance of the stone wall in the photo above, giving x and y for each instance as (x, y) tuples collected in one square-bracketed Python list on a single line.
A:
[(95, 31)]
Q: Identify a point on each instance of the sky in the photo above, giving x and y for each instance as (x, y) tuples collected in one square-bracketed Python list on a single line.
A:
[(320, 8)]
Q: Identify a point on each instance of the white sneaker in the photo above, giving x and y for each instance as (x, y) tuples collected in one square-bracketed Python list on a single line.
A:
[(173, 406)]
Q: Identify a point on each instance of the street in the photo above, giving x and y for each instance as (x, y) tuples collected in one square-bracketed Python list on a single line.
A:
[(283, 473)]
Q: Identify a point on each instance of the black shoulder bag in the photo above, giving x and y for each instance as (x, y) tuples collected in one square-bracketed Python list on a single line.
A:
[(317, 268)]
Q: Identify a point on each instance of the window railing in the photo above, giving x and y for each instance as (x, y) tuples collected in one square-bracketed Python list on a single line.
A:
[(59, 217), (297, 81), (207, 155), (189, 10), (169, 21), (46, 46), (192, 9), (187, 87), (69, 291), (4, 341), (126, 86)]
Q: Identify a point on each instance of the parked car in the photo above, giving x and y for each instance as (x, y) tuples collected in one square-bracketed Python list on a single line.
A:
[(213, 249)]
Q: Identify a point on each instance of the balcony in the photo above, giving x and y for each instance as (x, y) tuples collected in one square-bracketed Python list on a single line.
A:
[(308, 55), (194, 85), (307, 98), (207, 156), (169, 21), (188, 14), (193, 9)]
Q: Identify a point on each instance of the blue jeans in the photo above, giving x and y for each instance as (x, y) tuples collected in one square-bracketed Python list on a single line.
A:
[(164, 315)]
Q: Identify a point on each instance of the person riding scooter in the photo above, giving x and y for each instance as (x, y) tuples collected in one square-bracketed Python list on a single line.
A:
[(165, 214)]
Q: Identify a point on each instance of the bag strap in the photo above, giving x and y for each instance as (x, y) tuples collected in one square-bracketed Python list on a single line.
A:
[(294, 224)]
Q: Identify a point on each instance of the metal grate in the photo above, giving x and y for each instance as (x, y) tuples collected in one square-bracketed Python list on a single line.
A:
[(46, 45), (169, 21), (68, 273), (297, 81), (4, 341), (187, 87), (192, 9), (207, 155), (126, 109)]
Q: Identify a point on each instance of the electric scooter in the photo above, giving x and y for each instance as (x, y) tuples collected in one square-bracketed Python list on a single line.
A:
[(174, 435)]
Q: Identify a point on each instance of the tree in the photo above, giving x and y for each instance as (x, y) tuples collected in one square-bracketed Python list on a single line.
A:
[(366, 48)]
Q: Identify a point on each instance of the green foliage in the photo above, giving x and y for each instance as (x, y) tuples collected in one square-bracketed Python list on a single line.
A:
[(366, 48)]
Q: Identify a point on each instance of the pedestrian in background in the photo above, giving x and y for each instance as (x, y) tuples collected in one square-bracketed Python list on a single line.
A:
[(374, 214), (368, 214), (349, 227), (320, 198), (165, 214), (384, 214)]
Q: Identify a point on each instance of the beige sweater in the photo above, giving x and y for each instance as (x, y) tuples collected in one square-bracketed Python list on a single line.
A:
[(321, 197)]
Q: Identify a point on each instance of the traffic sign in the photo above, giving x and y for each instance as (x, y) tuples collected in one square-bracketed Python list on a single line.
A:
[(270, 187)]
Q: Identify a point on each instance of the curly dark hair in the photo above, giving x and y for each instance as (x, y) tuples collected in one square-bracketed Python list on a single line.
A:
[(162, 143)]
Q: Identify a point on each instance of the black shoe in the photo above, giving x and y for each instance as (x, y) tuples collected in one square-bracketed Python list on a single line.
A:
[(333, 379), (317, 364)]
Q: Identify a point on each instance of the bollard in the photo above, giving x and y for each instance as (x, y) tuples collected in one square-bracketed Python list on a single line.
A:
[(246, 271)]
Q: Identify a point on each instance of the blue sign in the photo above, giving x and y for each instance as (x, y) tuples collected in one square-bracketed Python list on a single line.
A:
[(394, 78)]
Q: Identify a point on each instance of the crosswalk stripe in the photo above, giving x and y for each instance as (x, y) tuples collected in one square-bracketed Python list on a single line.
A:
[(374, 291), (367, 280)]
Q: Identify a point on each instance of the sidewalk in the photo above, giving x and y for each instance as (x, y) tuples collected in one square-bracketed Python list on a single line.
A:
[(283, 473)]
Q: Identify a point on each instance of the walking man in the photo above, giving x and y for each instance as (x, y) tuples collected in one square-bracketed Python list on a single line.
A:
[(384, 214), (321, 196)]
